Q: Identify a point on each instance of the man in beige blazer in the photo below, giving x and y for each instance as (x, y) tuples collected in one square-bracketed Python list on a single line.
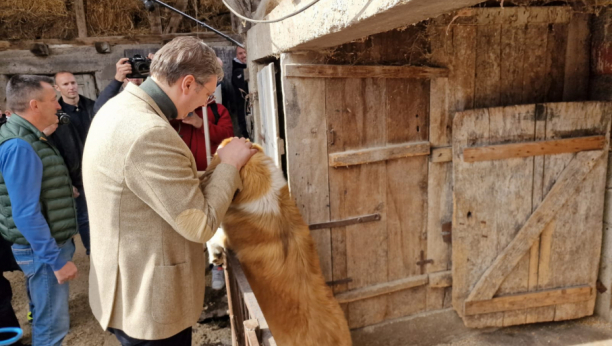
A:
[(149, 211)]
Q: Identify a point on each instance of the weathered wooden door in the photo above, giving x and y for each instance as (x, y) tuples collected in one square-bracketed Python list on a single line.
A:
[(529, 184), (374, 245)]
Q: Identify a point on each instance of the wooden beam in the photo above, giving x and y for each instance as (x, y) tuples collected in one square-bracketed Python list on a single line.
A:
[(353, 71), (559, 146), (363, 156), (441, 279), (567, 185), (383, 288), (440, 155), (155, 21), (79, 8), (529, 300), (175, 18), (506, 16), (113, 40)]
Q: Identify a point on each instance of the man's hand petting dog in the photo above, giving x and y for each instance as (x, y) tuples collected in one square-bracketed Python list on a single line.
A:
[(237, 152)]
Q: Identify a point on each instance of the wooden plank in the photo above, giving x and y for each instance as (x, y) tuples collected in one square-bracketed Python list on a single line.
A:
[(358, 190), (463, 70), (269, 130), (507, 16), (112, 40), (441, 279), (535, 63), (551, 147), (474, 237), (79, 8), (382, 289), (556, 55), (155, 21), (577, 60), (389, 152), (511, 70), (440, 176), (441, 155), (540, 251), (407, 109), (529, 300), (305, 119), (175, 18), (488, 68), (440, 119), (567, 185), (510, 206), (362, 71), (578, 225)]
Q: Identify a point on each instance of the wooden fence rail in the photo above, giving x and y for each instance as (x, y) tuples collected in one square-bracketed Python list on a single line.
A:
[(249, 326)]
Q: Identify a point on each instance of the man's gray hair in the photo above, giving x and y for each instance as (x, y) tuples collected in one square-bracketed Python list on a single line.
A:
[(185, 56), (23, 88)]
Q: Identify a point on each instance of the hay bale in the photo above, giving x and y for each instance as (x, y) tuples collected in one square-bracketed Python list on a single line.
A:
[(211, 12), (35, 19), (40, 19), (116, 17)]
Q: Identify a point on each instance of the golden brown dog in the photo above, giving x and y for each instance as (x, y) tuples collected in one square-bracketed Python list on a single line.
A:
[(264, 228)]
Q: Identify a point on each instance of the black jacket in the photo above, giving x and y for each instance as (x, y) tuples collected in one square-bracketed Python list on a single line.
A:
[(69, 139), (241, 89), (112, 89)]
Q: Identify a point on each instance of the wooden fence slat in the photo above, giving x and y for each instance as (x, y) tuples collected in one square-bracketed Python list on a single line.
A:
[(529, 300), (370, 155), (354, 71), (539, 148), (567, 185)]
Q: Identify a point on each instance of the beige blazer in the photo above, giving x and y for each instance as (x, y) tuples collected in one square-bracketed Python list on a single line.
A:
[(149, 214)]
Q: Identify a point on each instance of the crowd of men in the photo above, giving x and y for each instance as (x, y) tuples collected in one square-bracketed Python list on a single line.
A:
[(149, 211)]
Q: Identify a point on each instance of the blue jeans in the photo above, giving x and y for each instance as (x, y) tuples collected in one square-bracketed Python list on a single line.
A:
[(83, 218), (49, 299)]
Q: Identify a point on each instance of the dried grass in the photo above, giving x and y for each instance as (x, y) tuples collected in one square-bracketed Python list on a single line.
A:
[(116, 17), (33, 19), (36, 19)]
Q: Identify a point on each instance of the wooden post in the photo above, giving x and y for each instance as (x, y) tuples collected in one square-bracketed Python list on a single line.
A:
[(175, 19), (155, 22), (79, 8)]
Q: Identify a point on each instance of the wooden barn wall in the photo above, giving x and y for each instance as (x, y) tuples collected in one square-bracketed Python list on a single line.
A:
[(495, 57)]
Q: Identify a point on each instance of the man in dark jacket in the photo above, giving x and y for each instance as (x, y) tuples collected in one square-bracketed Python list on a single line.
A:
[(241, 89), (70, 141), (123, 68)]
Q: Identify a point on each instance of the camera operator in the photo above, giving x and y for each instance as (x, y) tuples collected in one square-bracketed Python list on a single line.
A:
[(70, 141), (123, 68)]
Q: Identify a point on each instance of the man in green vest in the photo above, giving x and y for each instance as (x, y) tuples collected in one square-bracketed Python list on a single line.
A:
[(37, 208)]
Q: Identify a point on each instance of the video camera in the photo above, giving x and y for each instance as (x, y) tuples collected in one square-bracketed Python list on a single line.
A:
[(141, 66), (62, 117)]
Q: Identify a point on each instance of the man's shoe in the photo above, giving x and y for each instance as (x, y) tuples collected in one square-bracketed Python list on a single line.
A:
[(218, 278), (30, 318)]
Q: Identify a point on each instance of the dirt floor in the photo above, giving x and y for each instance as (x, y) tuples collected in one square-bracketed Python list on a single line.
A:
[(85, 330)]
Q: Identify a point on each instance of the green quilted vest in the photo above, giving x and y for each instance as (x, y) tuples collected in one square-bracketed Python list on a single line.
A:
[(56, 201)]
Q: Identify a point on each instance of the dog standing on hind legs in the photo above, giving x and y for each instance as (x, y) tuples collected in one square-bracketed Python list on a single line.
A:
[(265, 229)]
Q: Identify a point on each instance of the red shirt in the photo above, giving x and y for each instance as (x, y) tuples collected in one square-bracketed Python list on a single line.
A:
[(194, 138)]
